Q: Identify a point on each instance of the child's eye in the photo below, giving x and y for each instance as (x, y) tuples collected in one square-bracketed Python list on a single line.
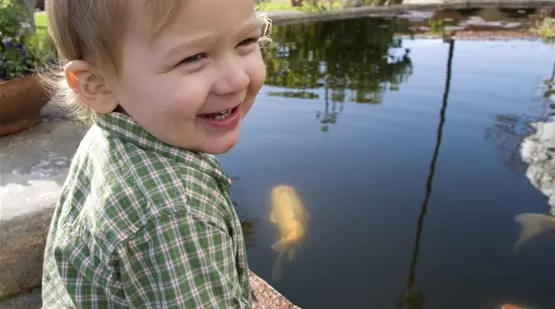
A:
[(193, 59), (248, 41)]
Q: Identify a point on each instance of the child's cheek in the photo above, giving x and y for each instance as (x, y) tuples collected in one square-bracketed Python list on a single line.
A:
[(187, 100), (256, 69)]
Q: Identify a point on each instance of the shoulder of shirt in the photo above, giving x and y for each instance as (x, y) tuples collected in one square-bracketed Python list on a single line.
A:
[(123, 188)]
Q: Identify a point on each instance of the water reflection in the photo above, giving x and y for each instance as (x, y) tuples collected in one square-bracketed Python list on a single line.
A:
[(354, 60), (528, 143), (249, 230), (538, 151), (508, 132), (248, 225), (538, 148), (529, 147), (415, 299), (520, 136)]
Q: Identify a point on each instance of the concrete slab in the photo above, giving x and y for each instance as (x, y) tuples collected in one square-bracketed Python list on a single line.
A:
[(28, 300), (33, 167), (285, 17), (34, 163)]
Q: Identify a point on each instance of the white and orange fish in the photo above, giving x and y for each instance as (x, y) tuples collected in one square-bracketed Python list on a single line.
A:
[(510, 306), (290, 216)]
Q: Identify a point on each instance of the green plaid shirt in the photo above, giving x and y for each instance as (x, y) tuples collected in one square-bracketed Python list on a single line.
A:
[(142, 224)]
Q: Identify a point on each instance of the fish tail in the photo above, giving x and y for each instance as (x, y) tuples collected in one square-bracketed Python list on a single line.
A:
[(277, 271), (533, 225)]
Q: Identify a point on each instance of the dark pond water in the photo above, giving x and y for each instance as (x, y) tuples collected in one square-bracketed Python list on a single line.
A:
[(406, 153)]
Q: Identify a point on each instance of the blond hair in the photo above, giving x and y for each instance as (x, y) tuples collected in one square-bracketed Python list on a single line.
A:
[(90, 30)]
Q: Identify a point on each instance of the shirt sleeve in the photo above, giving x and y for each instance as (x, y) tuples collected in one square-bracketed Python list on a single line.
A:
[(181, 262)]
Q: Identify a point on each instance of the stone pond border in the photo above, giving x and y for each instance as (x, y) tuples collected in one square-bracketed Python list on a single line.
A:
[(27, 198), (286, 17)]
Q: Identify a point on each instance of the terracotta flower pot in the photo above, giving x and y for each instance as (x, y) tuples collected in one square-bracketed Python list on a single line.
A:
[(21, 100)]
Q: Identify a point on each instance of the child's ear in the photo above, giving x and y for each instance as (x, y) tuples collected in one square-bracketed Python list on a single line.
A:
[(90, 87)]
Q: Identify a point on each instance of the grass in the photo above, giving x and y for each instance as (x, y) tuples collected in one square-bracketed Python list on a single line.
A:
[(306, 7), (41, 24), (47, 50), (40, 20)]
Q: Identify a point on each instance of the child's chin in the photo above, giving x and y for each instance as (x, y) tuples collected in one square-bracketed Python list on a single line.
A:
[(221, 145)]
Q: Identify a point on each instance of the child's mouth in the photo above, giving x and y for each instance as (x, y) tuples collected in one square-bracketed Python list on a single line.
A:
[(223, 119), (219, 116)]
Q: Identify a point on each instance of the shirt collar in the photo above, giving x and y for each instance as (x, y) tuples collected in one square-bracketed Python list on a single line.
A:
[(124, 127)]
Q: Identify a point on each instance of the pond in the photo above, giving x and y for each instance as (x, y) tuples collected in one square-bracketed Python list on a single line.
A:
[(407, 155)]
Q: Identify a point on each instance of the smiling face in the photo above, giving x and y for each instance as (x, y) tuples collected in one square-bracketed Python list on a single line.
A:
[(194, 82)]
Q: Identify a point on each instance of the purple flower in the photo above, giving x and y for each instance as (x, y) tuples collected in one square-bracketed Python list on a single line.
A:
[(24, 54), (21, 49)]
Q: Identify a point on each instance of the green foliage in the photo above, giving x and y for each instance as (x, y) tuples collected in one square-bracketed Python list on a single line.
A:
[(315, 5), (306, 6), (20, 46), (545, 29)]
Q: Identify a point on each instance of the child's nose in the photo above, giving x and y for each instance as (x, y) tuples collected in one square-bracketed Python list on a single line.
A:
[(232, 78)]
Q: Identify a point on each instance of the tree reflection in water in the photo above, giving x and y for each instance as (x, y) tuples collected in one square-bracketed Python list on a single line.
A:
[(248, 225), (351, 60)]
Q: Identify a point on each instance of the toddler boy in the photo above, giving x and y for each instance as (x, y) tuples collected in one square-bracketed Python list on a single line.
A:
[(144, 219)]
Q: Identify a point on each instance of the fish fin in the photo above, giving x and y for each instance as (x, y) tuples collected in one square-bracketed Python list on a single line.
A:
[(279, 246), (532, 226), (291, 254), (284, 242)]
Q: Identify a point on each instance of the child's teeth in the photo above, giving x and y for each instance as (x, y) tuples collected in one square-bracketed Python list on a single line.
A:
[(223, 115)]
